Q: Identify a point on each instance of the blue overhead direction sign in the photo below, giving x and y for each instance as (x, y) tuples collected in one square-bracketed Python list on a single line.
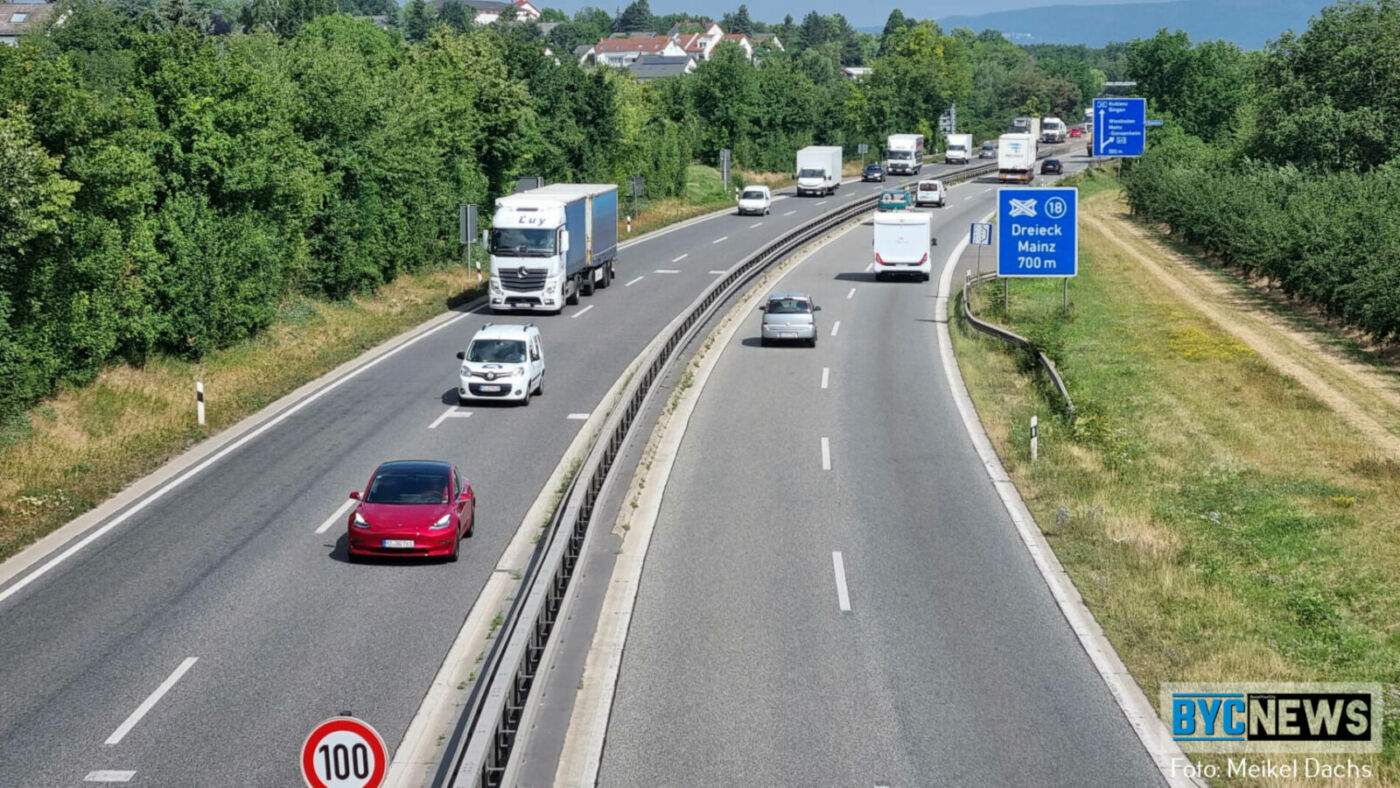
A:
[(1037, 232), (1120, 126)]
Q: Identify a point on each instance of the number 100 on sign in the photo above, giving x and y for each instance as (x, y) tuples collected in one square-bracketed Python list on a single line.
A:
[(343, 752)]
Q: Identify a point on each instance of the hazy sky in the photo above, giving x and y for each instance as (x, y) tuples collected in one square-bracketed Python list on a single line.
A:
[(862, 14)]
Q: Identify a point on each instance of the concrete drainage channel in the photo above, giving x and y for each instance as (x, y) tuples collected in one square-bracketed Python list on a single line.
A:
[(484, 737)]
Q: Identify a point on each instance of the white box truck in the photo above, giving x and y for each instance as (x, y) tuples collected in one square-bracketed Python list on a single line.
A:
[(959, 149), (1016, 158), (1053, 131), (904, 244), (904, 154), (818, 169), (552, 244)]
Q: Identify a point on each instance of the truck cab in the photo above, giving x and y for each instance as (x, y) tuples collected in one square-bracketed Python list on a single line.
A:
[(551, 245)]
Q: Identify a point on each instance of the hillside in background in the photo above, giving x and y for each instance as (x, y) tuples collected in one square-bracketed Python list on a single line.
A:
[(1249, 23)]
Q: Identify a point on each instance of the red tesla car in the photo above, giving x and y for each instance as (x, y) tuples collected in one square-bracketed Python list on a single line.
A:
[(412, 508)]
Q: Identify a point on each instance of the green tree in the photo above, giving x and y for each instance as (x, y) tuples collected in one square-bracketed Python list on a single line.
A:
[(738, 22), (724, 94), (416, 20), (635, 18)]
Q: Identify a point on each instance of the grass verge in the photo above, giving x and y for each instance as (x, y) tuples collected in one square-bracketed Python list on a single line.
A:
[(1221, 523), (83, 445)]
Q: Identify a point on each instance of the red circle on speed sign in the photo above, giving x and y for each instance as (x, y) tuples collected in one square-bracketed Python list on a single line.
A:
[(344, 752)]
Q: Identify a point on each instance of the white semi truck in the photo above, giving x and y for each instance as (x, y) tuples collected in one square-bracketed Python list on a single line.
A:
[(818, 169), (959, 149), (551, 245), (1016, 155), (904, 154), (1053, 131)]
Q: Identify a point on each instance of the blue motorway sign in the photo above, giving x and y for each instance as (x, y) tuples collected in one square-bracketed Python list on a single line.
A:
[(1038, 232), (1120, 126)]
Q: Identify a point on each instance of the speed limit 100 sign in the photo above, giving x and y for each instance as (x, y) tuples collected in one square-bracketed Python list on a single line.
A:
[(343, 752)]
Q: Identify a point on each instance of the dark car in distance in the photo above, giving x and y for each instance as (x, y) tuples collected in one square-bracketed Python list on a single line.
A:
[(874, 171), (1052, 167)]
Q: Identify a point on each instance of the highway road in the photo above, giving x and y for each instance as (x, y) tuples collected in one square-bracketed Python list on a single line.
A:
[(834, 592), (199, 640)]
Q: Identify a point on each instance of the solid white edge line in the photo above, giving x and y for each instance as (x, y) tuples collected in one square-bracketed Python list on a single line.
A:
[(578, 314), (682, 257), (634, 281), (720, 239), (150, 702), (843, 596), (826, 454), (826, 372), (1151, 732), (340, 512), (823, 202), (160, 492), (109, 776), (835, 327)]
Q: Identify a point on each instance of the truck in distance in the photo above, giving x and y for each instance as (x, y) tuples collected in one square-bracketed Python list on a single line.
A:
[(904, 154), (551, 245), (818, 169), (1053, 130), (959, 150), (1016, 158)]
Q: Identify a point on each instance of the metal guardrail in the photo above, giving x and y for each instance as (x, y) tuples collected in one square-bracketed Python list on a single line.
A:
[(482, 742), (1010, 337)]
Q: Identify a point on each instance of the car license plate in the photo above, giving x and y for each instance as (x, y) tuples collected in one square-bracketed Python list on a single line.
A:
[(490, 388), (392, 544)]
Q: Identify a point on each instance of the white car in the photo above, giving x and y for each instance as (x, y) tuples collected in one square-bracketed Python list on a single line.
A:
[(502, 362), (931, 193), (756, 200)]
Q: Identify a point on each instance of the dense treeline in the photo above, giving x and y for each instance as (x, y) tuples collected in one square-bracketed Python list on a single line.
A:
[(174, 171), (1285, 163)]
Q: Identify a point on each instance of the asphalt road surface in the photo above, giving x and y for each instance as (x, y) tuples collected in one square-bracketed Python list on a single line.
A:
[(198, 642), (834, 593)]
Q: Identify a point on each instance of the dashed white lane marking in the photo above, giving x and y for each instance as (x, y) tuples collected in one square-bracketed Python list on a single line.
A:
[(826, 374), (666, 271), (843, 596), (823, 202), (789, 213), (109, 776), (870, 268), (340, 513), (755, 224), (716, 273), (851, 294), (451, 413), (575, 315), (826, 454), (720, 239), (634, 281), (835, 327), (682, 257), (150, 702), (578, 416)]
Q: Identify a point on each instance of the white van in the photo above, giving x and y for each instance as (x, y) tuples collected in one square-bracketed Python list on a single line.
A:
[(756, 200), (904, 244), (931, 193), (502, 362)]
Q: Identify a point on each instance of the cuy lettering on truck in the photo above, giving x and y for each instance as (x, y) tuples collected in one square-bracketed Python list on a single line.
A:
[(551, 245), (819, 169), (959, 149), (904, 154), (1016, 154)]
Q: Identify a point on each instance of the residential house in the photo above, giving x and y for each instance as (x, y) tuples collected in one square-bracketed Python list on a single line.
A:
[(742, 40), (584, 54), (488, 11), (699, 44), (16, 19), (761, 40), (649, 67), (621, 51)]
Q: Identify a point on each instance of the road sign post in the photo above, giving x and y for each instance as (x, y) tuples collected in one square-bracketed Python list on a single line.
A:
[(466, 231), (344, 752), (1120, 127), (724, 161), (862, 149), (980, 235)]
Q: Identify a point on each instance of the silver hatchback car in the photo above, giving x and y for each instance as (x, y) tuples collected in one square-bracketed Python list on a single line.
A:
[(789, 316)]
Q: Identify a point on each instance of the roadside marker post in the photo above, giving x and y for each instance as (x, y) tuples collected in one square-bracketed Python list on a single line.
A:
[(344, 752), (1035, 438), (199, 401)]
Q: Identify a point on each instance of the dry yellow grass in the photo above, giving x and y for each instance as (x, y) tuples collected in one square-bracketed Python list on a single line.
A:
[(1221, 521)]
